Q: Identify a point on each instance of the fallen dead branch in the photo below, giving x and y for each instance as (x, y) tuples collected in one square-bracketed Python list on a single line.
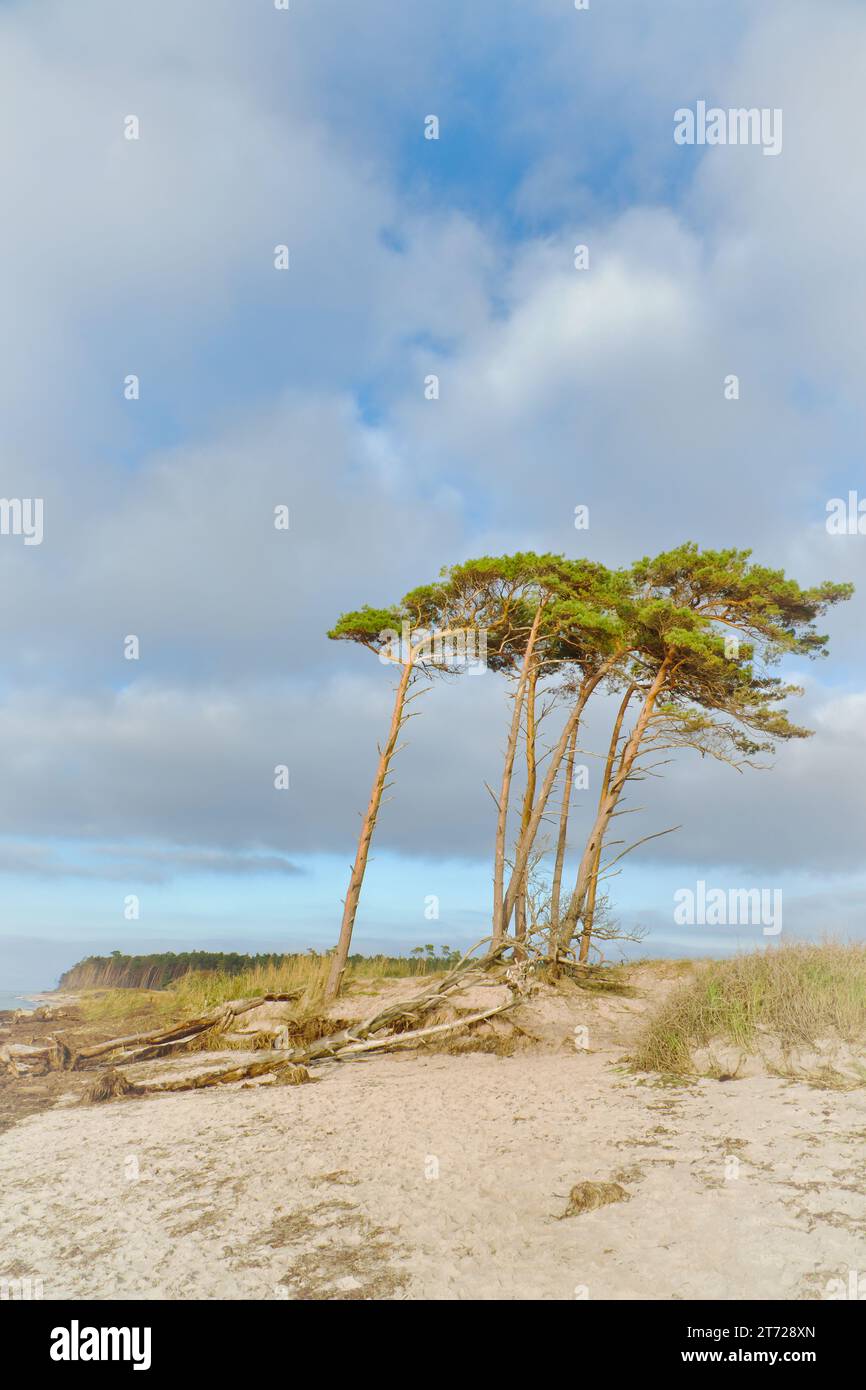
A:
[(140, 1047), (113, 1085), (377, 1033), (399, 1039)]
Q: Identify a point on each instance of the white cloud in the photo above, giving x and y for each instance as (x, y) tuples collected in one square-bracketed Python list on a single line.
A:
[(558, 387)]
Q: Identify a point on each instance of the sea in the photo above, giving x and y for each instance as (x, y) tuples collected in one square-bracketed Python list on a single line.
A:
[(10, 1000)]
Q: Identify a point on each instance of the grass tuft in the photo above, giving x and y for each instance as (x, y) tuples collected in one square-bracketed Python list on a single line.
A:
[(292, 1076), (111, 1085), (589, 1196), (796, 994)]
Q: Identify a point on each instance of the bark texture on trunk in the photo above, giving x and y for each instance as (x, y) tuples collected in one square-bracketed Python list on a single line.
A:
[(607, 808), (350, 907), (556, 885), (528, 799), (505, 788), (589, 910), (528, 838)]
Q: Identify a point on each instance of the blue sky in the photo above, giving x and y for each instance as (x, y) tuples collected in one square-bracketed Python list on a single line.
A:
[(408, 257)]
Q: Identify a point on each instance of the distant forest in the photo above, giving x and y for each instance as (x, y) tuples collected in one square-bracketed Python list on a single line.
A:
[(119, 971), (158, 970)]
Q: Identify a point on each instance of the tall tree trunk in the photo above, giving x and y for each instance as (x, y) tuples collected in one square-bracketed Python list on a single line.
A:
[(505, 789), (589, 910), (556, 885), (608, 806), (527, 840), (528, 799), (350, 907), (520, 927)]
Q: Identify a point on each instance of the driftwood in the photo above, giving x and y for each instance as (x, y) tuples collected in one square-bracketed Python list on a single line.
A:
[(113, 1083), (397, 1040), (378, 1032), (60, 1056), (20, 1060)]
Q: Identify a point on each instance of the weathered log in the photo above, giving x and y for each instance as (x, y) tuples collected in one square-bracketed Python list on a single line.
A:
[(120, 1085), (361, 1037), (19, 1060), (398, 1039), (61, 1057), (220, 1078), (180, 1033)]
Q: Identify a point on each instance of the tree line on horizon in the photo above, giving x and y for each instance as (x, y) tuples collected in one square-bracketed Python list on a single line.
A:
[(157, 969), (684, 642)]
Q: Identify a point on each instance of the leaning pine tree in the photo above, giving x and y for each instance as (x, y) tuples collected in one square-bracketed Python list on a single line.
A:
[(704, 628), (589, 642), (550, 617), (439, 628)]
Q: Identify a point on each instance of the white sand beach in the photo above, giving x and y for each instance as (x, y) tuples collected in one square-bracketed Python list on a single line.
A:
[(413, 1176)]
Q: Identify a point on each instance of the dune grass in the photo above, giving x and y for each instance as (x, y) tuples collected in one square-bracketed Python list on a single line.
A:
[(138, 1007), (797, 994), (199, 991)]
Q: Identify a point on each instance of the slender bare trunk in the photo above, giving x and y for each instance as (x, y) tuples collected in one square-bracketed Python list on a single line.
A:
[(589, 910), (520, 927), (350, 907), (505, 788), (556, 885), (607, 808), (528, 799), (527, 840)]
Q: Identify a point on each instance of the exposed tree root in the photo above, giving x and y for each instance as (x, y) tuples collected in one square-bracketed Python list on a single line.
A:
[(385, 1030), (142, 1047), (113, 1085)]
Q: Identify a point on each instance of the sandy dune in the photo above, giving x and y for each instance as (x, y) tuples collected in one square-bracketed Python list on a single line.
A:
[(407, 1176)]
